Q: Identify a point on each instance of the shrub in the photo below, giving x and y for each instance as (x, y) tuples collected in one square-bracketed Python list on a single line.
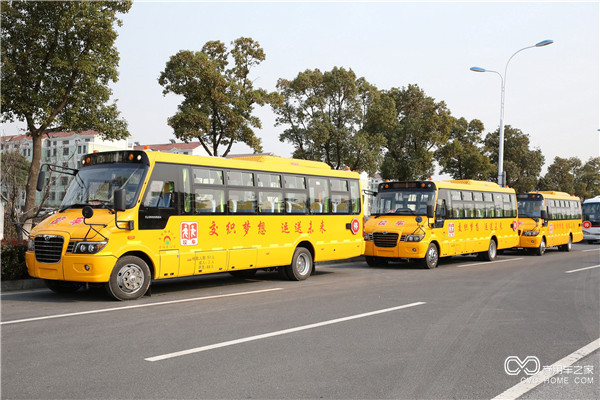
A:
[(13, 260)]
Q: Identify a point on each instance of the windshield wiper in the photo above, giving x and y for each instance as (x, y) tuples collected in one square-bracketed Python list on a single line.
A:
[(76, 205)]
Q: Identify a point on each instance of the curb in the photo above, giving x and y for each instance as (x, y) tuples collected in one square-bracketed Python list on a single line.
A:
[(22, 284)]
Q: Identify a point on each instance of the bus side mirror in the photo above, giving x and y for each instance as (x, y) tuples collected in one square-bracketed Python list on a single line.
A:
[(430, 211), (120, 203), (40, 182), (544, 214)]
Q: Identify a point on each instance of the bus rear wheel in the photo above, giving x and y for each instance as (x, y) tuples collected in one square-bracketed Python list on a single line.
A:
[(301, 266), (375, 262), (491, 253), (432, 257), (568, 246), (130, 279)]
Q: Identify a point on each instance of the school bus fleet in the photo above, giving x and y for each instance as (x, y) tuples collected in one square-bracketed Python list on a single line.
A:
[(131, 217)]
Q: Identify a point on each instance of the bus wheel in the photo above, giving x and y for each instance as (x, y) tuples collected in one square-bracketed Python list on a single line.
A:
[(542, 249), (130, 278), (430, 261), (301, 266), (491, 253), (568, 246), (375, 262), (62, 286)]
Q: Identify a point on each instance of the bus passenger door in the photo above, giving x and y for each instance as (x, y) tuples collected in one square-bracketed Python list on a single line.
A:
[(440, 226)]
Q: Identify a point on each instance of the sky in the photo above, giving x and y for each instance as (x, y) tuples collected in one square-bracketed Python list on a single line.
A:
[(552, 92)]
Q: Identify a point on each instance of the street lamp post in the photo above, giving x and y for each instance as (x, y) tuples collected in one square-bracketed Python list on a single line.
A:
[(501, 179)]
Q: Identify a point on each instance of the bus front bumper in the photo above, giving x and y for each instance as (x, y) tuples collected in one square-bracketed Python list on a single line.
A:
[(402, 250), (72, 267), (530, 242)]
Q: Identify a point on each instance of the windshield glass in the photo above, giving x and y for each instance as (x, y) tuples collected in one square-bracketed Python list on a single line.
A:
[(530, 208), (591, 212), (403, 202), (95, 185)]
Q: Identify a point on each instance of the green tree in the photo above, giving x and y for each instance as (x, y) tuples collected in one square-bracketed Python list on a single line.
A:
[(58, 59), (522, 165), (561, 175), (462, 155), (217, 101), (587, 179), (333, 117), (15, 168), (420, 125)]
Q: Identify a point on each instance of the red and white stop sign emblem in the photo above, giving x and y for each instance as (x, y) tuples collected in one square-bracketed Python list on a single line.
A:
[(514, 225), (587, 224), (355, 226)]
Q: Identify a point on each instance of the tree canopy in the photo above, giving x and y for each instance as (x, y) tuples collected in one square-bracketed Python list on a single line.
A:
[(420, 125), (217, 100), (462, 155), (572, 176), (522, 164), (334, 117), (58, 59)]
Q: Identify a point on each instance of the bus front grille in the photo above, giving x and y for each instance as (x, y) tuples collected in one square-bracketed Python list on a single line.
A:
[(48, 248), (384, 239)]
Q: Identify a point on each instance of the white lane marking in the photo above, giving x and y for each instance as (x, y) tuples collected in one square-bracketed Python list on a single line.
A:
[(488, 262), (278, 333), (582, 269), (547, 372), (162, 303), (585, 251)]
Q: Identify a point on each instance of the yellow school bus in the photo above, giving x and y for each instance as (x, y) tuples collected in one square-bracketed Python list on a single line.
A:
[(130, 217), (549, 219), (426, 220)]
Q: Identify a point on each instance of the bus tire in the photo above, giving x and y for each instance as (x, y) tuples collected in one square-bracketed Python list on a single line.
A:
[(542, 249), (566, 247), (301, 266), (129, 279), (491, 253), (62, 286), (432, 257), (375, 262)]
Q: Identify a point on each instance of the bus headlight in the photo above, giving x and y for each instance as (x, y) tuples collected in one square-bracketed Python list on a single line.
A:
[(531, 233), (88, 247), (414, 238), (30, 245), (368, 236)]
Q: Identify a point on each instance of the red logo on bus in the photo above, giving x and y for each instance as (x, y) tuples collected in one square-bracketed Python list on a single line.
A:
[(355, 226), (189, 233), (514, 225), (587, 224)]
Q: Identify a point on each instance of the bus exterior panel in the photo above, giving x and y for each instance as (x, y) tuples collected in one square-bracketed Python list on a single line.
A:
[(547, 219), (591, 219), (427, 220), (189, 215)]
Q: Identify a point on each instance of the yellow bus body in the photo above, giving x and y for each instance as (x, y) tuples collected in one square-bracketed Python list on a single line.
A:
[(561, 227), (467, 227), (200, 242)]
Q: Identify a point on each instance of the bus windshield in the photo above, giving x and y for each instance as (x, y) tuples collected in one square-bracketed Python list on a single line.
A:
[(530, 208), (403, 202), (94, 185), (591, 212)]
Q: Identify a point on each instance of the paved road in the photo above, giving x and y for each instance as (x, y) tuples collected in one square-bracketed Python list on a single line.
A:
[(348, 332)]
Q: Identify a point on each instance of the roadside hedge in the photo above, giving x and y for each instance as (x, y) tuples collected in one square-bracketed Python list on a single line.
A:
[(13, 260)]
